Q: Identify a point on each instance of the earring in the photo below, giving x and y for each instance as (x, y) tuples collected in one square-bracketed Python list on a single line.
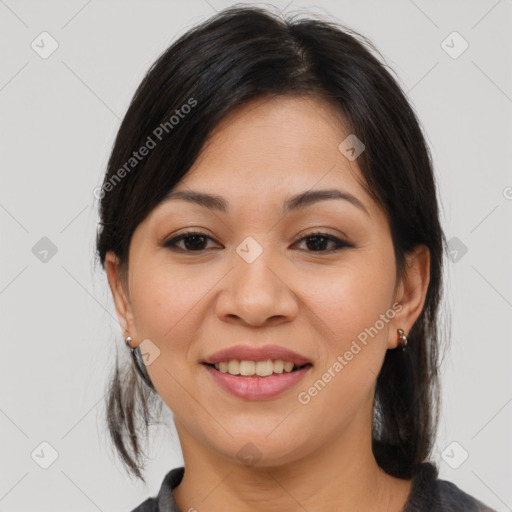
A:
[(139, 363), (402, 339)]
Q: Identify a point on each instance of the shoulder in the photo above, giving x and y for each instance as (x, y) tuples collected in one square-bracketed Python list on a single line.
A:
[(428, 492), (164, 500), (452, 498), (150, 505)]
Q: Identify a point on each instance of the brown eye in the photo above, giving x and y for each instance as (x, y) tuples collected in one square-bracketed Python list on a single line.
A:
[(316, 242), (196, 242), (192, 242)]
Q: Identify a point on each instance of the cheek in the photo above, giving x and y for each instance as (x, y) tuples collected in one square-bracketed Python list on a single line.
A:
[(151, 301), (165, 302), (351, 300), (351, 307), (155, 301), (168, 301)]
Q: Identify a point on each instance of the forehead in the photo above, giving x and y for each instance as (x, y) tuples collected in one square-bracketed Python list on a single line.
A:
[(275, 145)]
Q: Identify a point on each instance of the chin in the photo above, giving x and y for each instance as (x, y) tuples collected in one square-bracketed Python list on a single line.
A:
[(265, 450)]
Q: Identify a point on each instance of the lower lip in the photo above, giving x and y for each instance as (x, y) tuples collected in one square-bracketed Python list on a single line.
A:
[(257, 388)]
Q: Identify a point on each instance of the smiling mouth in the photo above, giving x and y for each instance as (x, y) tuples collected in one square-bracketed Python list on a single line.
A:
[(294, 369)]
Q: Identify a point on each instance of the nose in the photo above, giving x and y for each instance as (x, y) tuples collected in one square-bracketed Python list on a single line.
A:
[(256, 294)]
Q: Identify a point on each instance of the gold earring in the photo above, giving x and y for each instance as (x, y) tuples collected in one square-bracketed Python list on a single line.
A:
[(402, 338)]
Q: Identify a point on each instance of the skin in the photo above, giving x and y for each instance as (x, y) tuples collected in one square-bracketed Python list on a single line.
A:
[(309, 299)]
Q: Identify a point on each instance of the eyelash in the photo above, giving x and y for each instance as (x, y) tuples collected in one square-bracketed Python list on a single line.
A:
[(172, 243)]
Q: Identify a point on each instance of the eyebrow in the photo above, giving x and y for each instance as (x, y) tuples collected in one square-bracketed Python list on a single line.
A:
[(296, 202)]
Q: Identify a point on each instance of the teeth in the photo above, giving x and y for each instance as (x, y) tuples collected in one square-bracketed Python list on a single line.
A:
[(260, 368)]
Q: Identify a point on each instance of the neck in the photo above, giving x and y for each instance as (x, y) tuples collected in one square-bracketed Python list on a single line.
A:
[(341, 474)]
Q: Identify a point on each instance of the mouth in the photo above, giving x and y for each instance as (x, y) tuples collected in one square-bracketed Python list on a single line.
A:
[(295, 368), (256, 387), (273, 353)]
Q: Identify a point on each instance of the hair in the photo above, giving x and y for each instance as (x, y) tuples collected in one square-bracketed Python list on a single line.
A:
[(239, 54)]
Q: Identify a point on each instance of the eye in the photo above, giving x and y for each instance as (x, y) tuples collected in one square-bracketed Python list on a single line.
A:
[(318, 241), (195, 241)]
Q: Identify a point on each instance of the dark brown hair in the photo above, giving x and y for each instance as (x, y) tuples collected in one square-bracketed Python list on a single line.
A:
[(239, 54)]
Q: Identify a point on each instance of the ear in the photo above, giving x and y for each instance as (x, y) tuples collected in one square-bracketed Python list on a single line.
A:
[(120, 294), (411, 292)]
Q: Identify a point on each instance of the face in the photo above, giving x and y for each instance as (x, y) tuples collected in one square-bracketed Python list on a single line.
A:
[(317, 278)]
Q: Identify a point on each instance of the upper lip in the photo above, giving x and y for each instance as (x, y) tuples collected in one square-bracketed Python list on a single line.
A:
[(248, 353)]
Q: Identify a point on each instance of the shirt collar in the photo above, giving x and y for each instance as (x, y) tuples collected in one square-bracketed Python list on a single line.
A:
[(165, 497)]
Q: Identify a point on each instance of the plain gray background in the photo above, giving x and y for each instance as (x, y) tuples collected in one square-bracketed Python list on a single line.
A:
[(59, 116)]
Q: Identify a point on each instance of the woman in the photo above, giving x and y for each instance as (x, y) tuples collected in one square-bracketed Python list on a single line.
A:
[(270, 233)]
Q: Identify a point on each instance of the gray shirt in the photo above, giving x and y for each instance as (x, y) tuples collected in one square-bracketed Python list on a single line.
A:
[(428, 494)]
